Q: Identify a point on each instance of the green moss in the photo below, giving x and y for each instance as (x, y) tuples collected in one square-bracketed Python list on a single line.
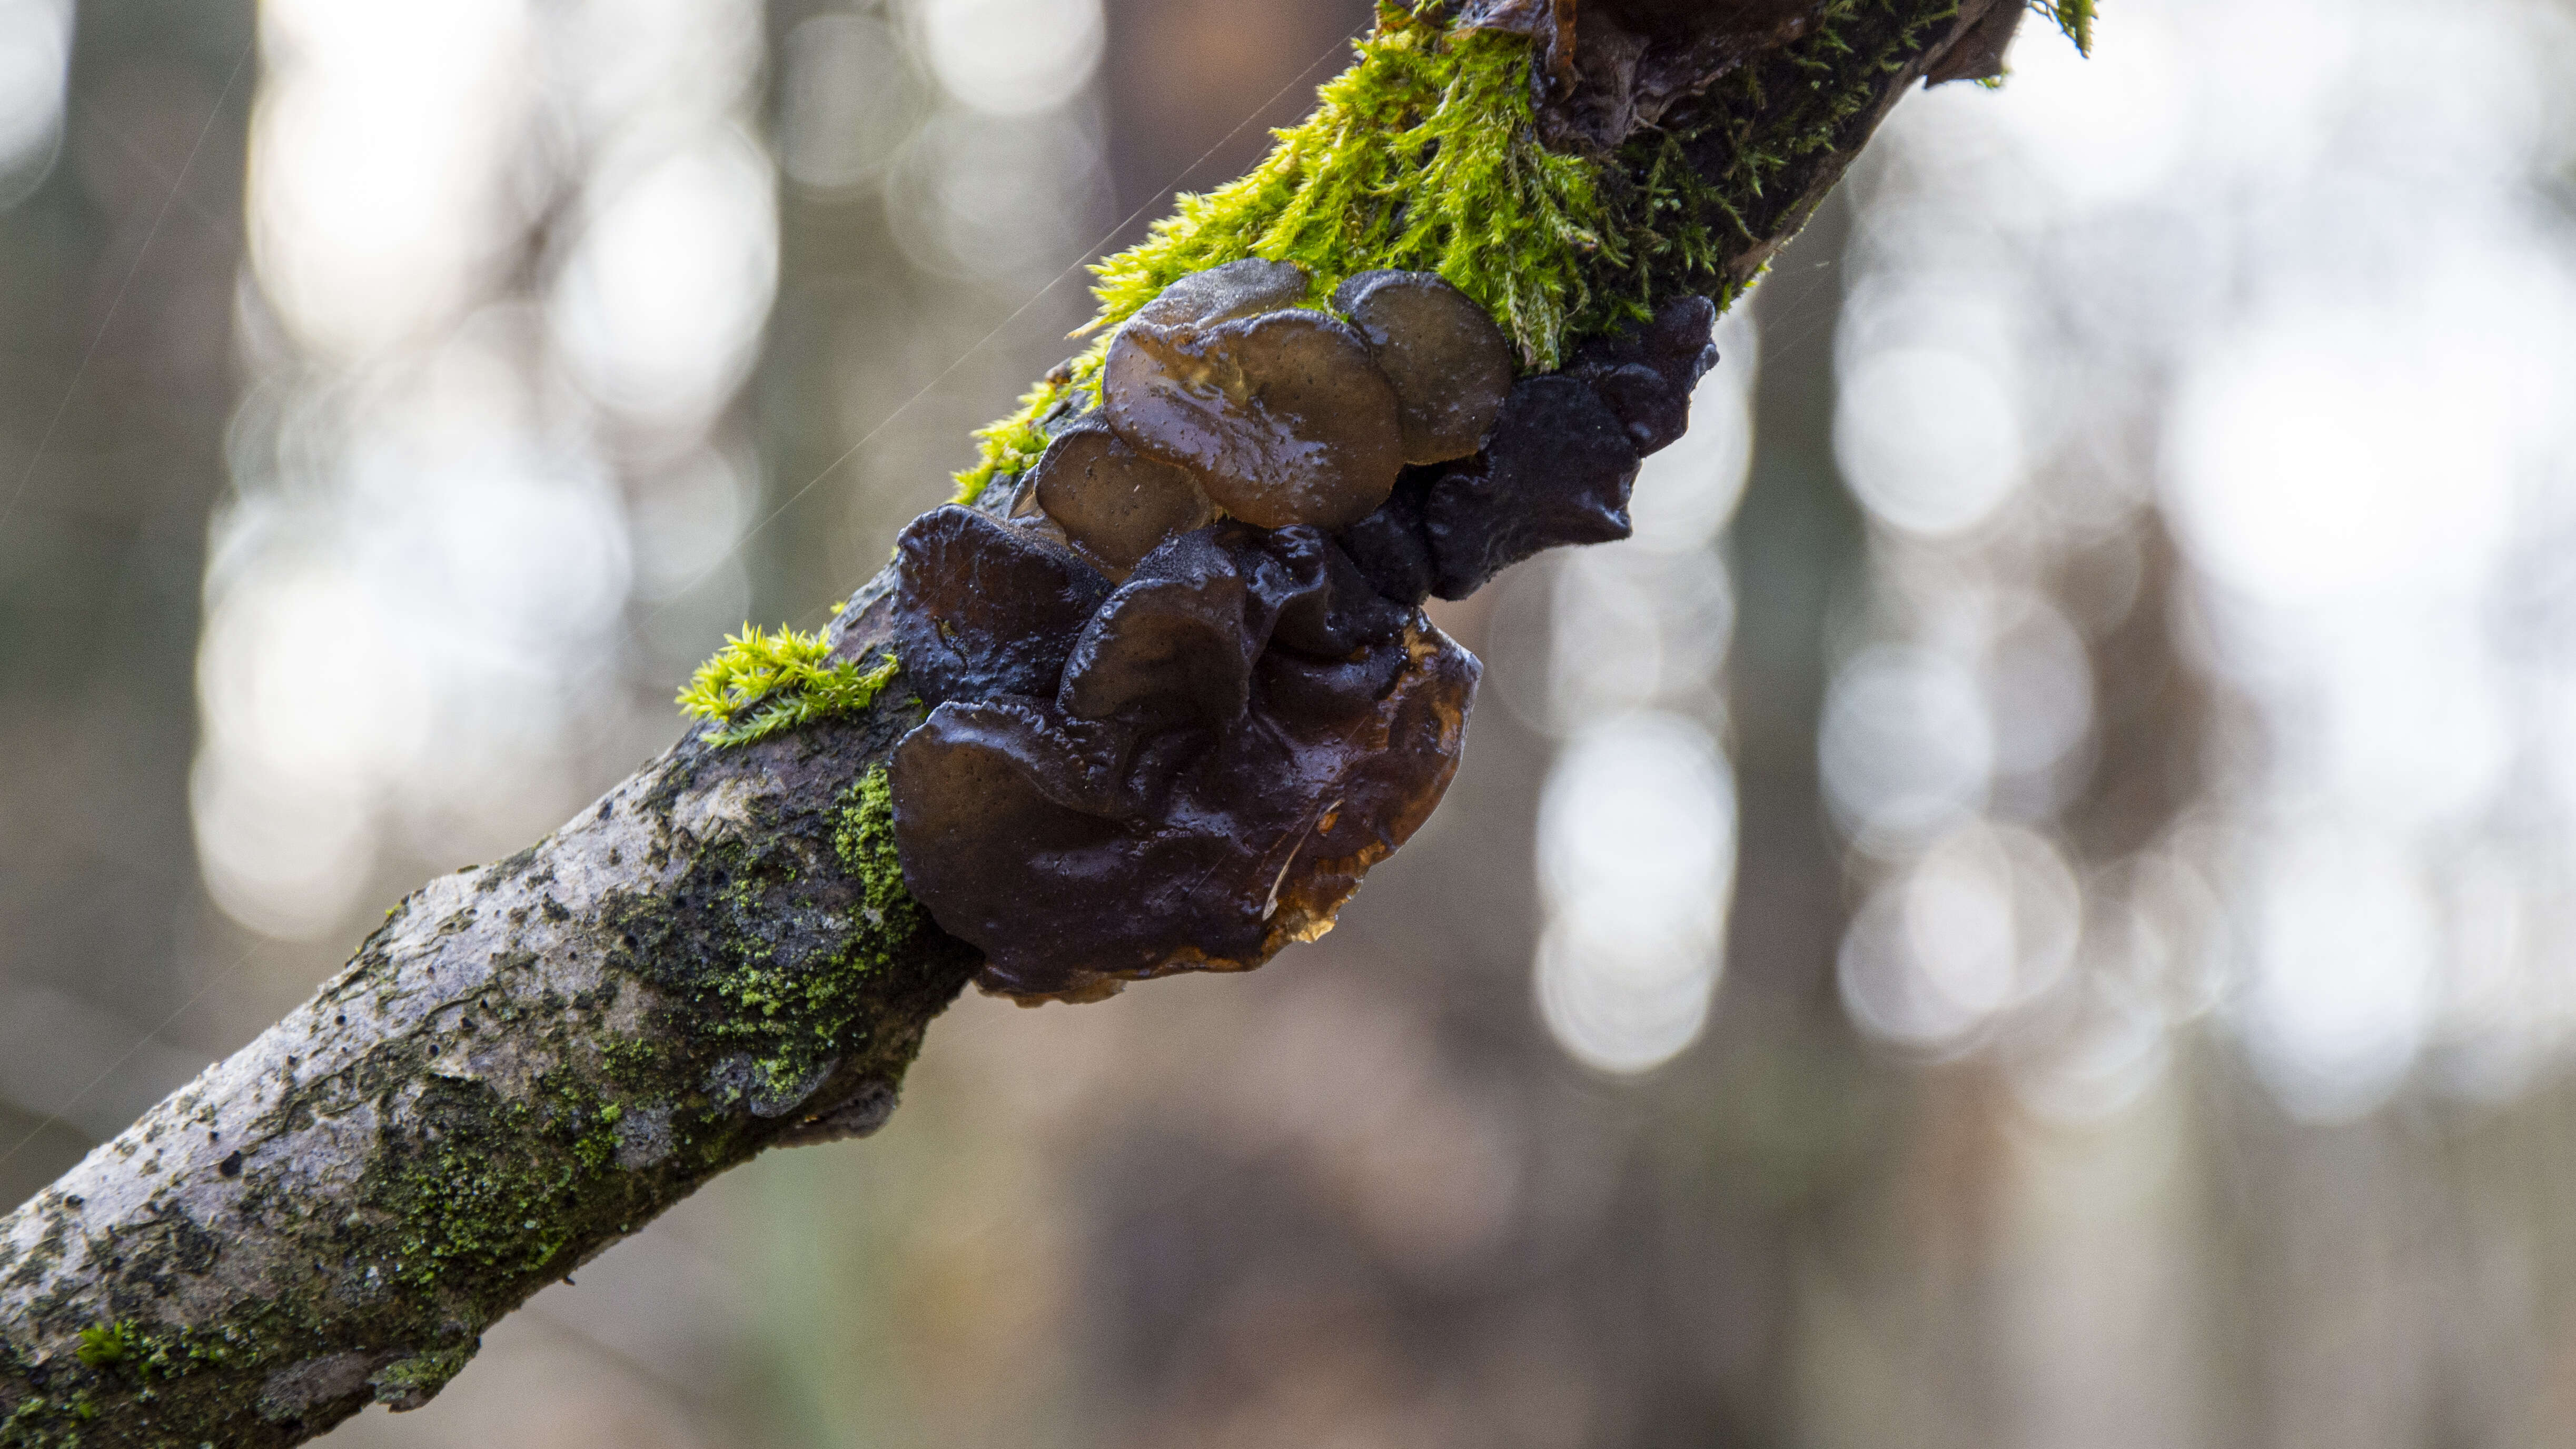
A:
[(413, 1381), (1739, 161), (795, 1015), (2075, 17), (173, 1354), (46, 1422), (1011, 445), (863, 839), (103, 1345), (483, 1199), (1669, 217), (1424, 155), (636, 1064), (761, 683)]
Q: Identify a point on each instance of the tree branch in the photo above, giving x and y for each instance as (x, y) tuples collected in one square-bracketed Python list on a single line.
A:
[(530, 1060)]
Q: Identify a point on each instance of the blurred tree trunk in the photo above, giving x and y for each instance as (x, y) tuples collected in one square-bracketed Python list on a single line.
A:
[(116, 378)]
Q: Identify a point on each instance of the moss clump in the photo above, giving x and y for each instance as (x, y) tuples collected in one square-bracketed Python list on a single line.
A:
[(762, 683), (2075, 17), (634, 1063), (863, 838), (408, 1383), (47, 1422), (1425, 156), (103, 1345)]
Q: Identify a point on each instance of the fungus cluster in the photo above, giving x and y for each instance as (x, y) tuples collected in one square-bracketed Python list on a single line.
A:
[(1182, 692)]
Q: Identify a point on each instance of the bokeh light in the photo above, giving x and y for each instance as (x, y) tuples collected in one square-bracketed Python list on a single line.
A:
[(2284, 309), (1012, 57), (1637, 829), (490, 412), (35, 52), (1636, 859)]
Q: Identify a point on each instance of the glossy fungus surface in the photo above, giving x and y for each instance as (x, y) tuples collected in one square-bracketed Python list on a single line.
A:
[(1556, 471), (1449, 363), (1176, 643), (1389, 547), (1283, 417), (1118, 504), (1220, 294), (1647, 376), (984, 607), (1244, 728)]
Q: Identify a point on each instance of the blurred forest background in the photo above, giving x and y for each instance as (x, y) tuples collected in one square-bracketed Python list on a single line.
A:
[(2032, 904)]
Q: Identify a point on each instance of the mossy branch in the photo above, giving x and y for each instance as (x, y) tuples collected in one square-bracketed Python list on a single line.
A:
[(1424, 155), (531, 1059)]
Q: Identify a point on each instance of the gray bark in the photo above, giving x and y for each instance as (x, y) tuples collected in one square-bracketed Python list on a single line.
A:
[(531, 1059)]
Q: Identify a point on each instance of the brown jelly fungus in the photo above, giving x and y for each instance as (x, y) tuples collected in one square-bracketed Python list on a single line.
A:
[(1556, 471), (1389, 547), (1450, 364), (1646, 377), (1114, 501), (1243, 730), (1283, 416), (984, 607), (1176, 643)]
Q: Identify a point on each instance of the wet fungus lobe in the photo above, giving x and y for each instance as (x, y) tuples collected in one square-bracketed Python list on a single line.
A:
[(1556, 469), (988, 607), (1112, 500), (1193, 767), (1220, 294), (1647, 377), (1176, 644), (1448, 361), (1557, 472), (1283, 416)]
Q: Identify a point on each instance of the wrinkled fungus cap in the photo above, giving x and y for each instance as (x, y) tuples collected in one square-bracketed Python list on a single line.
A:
[(1283, 417), (1114, 501), (984, 607), (1450, 364), (1176, 643)]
